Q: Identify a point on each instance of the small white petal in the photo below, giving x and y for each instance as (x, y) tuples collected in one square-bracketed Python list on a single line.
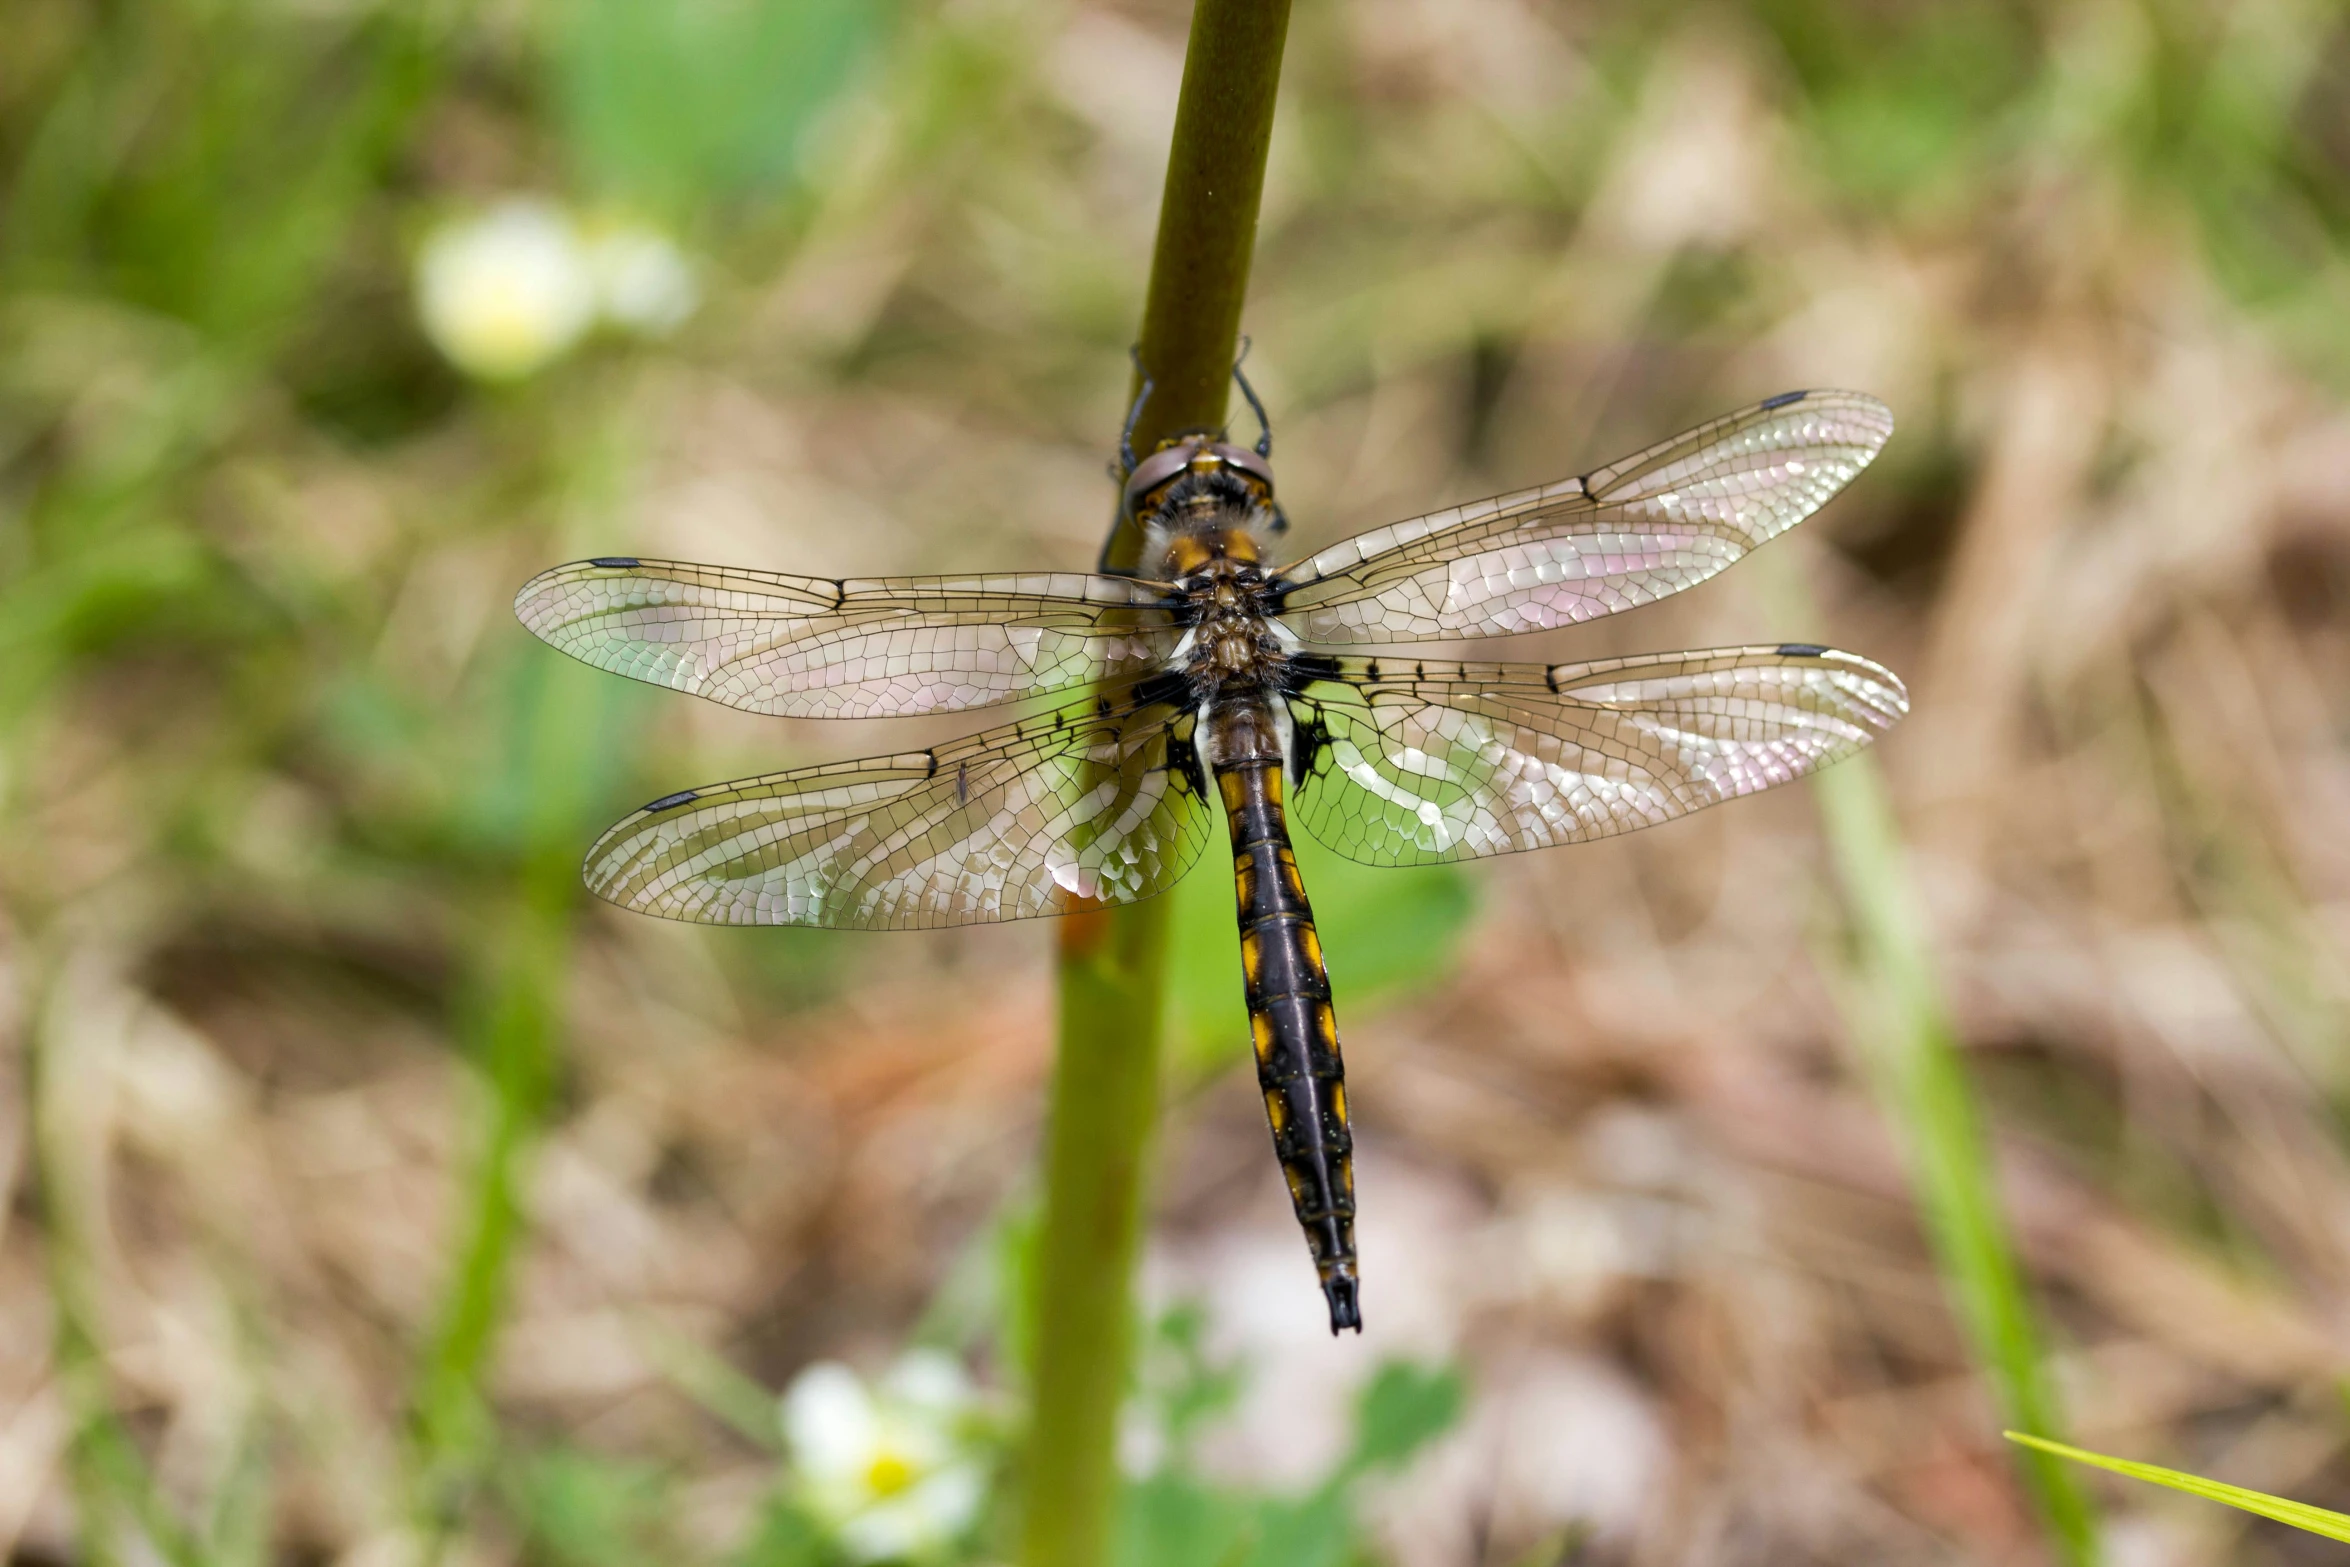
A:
[(830, 1424), (884, 1533), (930, 1380), (643, 282), (950, 1498)]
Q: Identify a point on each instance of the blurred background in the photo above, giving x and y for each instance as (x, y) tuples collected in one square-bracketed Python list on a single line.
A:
[(374, 1198)]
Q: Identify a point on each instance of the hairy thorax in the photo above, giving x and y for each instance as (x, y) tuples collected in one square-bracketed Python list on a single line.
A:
[(1232, 647)]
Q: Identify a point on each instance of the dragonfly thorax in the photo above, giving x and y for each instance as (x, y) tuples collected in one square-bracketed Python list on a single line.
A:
[(1232, 645)]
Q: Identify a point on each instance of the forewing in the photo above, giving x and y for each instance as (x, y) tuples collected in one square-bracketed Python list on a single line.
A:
[(812, 647), (1411, 764), (1632, 532), (1076, 808)]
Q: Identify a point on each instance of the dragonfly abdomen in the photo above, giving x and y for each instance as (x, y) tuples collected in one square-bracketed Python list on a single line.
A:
[(1290, 1020)]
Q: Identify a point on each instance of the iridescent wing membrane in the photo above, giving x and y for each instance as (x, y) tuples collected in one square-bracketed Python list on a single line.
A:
[(1098, 801), (1628, 534), (814, 647), (1092, 803), (1413, 763)]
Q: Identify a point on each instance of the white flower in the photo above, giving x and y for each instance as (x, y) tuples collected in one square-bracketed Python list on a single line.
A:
[(885, 1468), (505, 293), (644, 284)]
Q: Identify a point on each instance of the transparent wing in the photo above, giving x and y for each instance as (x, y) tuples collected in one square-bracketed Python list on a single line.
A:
[(813, 647), (1075, 808), (1634, 531), (1408, 764)]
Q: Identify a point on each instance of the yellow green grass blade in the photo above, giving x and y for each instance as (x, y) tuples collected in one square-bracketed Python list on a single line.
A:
[(1904, 1034), (2317, 1520)]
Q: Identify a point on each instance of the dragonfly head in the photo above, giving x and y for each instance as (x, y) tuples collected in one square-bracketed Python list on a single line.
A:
[(1201, 498), (1210, 464)]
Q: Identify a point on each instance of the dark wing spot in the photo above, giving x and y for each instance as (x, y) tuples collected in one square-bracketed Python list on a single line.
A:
[(617, 562), (1183, 757), (670, 802), (1170, 686), (1800, 650), (962, 783), (1305, 668), (1783, 399)]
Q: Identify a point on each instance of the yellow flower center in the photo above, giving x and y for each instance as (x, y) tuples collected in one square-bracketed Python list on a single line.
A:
[(888, 1474)]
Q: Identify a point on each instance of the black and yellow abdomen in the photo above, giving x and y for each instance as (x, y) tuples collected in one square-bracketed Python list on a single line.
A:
[(1295, 1032)]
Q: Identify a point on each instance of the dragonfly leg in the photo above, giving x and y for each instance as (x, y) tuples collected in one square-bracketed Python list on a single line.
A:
[(1133, 415), (1264, 425)]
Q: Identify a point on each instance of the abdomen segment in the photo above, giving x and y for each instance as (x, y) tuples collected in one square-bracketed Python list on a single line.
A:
[(1294, 1031)]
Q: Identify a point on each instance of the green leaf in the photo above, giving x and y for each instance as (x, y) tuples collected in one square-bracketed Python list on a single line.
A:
[(784, 1536), (1314, 1531), (578, 1510), (667, 106), (2317, 1520), (1174, 1520), (1404, 1408), (1186, 1385)]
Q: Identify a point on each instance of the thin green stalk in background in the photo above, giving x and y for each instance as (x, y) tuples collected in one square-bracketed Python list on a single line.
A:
[(1908, 1044), (531, 811), (1104, 1106), (513, 1040)]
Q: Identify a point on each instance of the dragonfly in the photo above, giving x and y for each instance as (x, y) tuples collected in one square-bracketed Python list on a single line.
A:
[(1227, 672)]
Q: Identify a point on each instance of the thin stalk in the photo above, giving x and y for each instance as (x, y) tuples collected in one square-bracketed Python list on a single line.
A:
[(513, 1028), (1908, 1043), (544, 796), (1104, 1110), (1207, 226)]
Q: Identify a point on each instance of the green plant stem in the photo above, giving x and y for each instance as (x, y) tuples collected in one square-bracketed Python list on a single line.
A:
[(512, 1029), (1908, 1045), (537, 802), (1105, 1089), (1207, 226), (1105, 1095)]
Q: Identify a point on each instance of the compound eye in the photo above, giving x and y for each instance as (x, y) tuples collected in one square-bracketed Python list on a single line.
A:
[(1156, 469), (1246, 461)]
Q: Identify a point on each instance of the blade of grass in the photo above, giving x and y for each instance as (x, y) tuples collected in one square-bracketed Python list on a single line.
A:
[(1908, 1047), (2317, 1520), (1906, 1040), (512, 1041), (1104, 1097), (112, 1484), (533, 813), (722, 1392)]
